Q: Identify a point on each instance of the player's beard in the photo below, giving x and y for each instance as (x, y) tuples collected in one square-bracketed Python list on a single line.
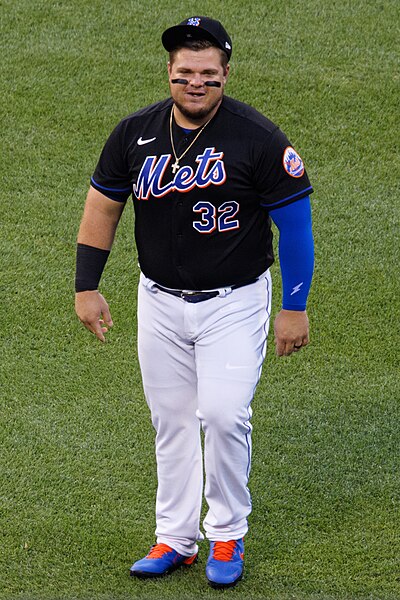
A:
[(198, 115)]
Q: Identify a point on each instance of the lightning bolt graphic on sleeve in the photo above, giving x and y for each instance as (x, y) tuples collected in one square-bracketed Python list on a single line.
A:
[(296, 288)]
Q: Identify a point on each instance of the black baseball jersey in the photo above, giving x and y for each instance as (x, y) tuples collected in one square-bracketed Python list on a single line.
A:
[(206, 225)]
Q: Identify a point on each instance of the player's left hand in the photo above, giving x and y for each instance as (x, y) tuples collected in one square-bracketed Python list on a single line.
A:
[(291, 331)]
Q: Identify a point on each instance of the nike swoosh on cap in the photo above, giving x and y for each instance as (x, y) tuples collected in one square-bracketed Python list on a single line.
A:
[(141, 142)]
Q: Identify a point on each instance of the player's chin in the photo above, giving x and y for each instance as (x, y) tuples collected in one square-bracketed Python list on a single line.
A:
[(196, 113), (196, 110), (196, 103)]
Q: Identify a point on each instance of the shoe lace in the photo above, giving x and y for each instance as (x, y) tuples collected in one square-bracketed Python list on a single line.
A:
[(224, 550), (158, 551)]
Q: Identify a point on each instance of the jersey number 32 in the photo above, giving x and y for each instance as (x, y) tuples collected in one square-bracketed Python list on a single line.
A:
[(213, 218)]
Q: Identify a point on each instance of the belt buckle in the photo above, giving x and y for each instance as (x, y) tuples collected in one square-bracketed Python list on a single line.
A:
[(188, 293), (193, 296)]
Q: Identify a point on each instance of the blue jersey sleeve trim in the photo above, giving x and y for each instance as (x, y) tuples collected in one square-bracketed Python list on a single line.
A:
[(296, 252), (107, 189), (297, 194)]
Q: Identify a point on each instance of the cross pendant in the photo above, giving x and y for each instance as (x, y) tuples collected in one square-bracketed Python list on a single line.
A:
[(175, 166)]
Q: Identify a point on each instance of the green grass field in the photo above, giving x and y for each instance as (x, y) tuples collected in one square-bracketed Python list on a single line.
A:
[(77, 467)]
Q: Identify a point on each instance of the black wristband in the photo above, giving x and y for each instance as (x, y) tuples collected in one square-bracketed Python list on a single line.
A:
[(90, 263)]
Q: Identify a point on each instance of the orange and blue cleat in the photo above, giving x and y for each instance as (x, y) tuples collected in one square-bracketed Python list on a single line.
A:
[(225, 563), (161, 560)]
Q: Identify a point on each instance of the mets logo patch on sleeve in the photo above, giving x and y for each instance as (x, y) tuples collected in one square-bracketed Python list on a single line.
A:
[(292, 162)]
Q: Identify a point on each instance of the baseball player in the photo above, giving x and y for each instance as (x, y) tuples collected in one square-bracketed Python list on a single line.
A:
[(207, 174)]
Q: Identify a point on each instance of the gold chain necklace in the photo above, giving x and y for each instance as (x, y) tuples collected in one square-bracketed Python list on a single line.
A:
[(175, 166)]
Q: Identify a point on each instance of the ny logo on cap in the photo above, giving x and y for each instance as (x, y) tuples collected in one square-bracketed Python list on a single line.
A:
[(195, 21)]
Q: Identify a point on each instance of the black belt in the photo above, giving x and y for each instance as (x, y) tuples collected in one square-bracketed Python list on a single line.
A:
[(192, 296)]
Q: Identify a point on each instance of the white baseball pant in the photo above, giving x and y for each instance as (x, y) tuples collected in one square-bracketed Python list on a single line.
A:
[(200, 366)]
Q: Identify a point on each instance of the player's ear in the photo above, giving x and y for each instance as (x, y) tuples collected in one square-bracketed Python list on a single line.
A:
[(226, 72), (169, 68)]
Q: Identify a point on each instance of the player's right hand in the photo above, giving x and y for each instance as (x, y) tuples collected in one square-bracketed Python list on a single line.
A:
[(93, 311)]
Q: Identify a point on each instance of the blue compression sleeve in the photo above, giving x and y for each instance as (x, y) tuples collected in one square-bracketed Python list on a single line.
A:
[(296, 252)]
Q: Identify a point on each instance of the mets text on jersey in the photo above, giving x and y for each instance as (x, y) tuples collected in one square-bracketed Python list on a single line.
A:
[(210, 170)]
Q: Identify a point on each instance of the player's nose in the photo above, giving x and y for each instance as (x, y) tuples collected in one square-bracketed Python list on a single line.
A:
[(196, 80)]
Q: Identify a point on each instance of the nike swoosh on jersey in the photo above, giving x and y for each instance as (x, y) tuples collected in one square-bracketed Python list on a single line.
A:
[(141, 142)]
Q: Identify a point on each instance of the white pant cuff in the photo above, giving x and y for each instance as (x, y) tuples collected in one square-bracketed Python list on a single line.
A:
[(184, 549)]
